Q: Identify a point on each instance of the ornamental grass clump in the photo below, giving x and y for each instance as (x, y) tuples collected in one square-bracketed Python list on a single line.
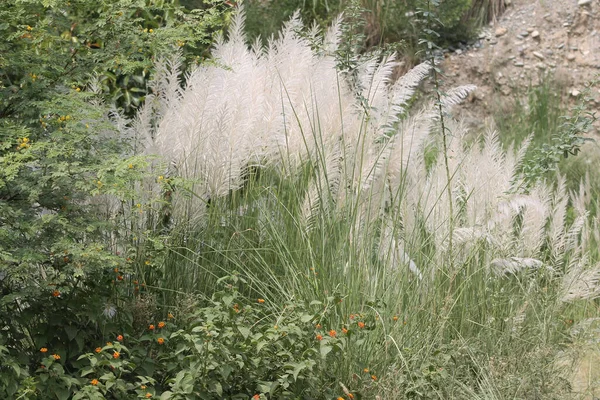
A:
[(285, 108), (308, 180)]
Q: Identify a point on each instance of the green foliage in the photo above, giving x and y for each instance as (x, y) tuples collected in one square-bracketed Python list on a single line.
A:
[(50, 45), (555, 132), (230, 348)]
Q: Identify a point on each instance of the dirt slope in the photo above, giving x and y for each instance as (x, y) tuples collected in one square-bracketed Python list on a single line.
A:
[(531, 38)]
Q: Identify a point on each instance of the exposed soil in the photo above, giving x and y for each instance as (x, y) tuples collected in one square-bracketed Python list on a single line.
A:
[(532, 38)]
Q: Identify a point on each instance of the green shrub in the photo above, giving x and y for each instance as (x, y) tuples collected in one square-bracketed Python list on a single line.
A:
[(231, 347)]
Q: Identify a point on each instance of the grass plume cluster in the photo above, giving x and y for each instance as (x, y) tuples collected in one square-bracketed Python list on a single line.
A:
[(308, 183)]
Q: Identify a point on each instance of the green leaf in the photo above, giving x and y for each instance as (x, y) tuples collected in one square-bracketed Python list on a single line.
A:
[(244, 331), (166, 395), (306, 317), (325, 349)]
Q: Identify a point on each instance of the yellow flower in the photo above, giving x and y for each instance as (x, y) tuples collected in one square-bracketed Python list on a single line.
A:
[(373, 377), (143, 387), (77, 89), (170, 316), (29, 28), (151, 30), (366, 370), (130, 166)]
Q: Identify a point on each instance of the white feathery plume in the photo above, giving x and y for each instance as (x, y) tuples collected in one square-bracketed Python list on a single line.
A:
[(512, 265), (580, 283)]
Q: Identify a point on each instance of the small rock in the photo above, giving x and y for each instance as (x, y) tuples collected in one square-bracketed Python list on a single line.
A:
[(519, 63), (571, 57), (575, 93), (524, 34), (507, 2), (584, 2), (535, 34), (501, 31), (458, 52), (560, 46), (539, 55), (530, 29), (540, 66), (566, 24)]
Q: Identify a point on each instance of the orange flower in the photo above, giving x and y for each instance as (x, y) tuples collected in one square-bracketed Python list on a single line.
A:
[(116, 270), (256, 397), (161, 324), (135, 282), (332, 333), (170, 316), (151, 327), (116, 355), (148, 395), (261, 301), (373, 377), (56, 293), (44, 350), (395, 318), (344, 330), (319, 337), (361, 324), (109, 343), (340, 398), (98, 349), (318, 326), (351, 316), (366, 370), (120, 338), (94, 382), (56, 356), (160, 340), (350, 396), (120, 277), (143, 387)]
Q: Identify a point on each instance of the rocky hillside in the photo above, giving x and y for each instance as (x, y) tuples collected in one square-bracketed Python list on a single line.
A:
[(530, 39)]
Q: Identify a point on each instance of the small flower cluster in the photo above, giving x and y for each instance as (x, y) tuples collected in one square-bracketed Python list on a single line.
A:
[(23, 143)]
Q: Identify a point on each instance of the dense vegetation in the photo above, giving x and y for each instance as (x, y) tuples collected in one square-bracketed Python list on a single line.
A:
[(185, 216)]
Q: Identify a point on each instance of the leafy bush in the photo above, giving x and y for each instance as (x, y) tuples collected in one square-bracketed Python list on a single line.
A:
[(229, 348)]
